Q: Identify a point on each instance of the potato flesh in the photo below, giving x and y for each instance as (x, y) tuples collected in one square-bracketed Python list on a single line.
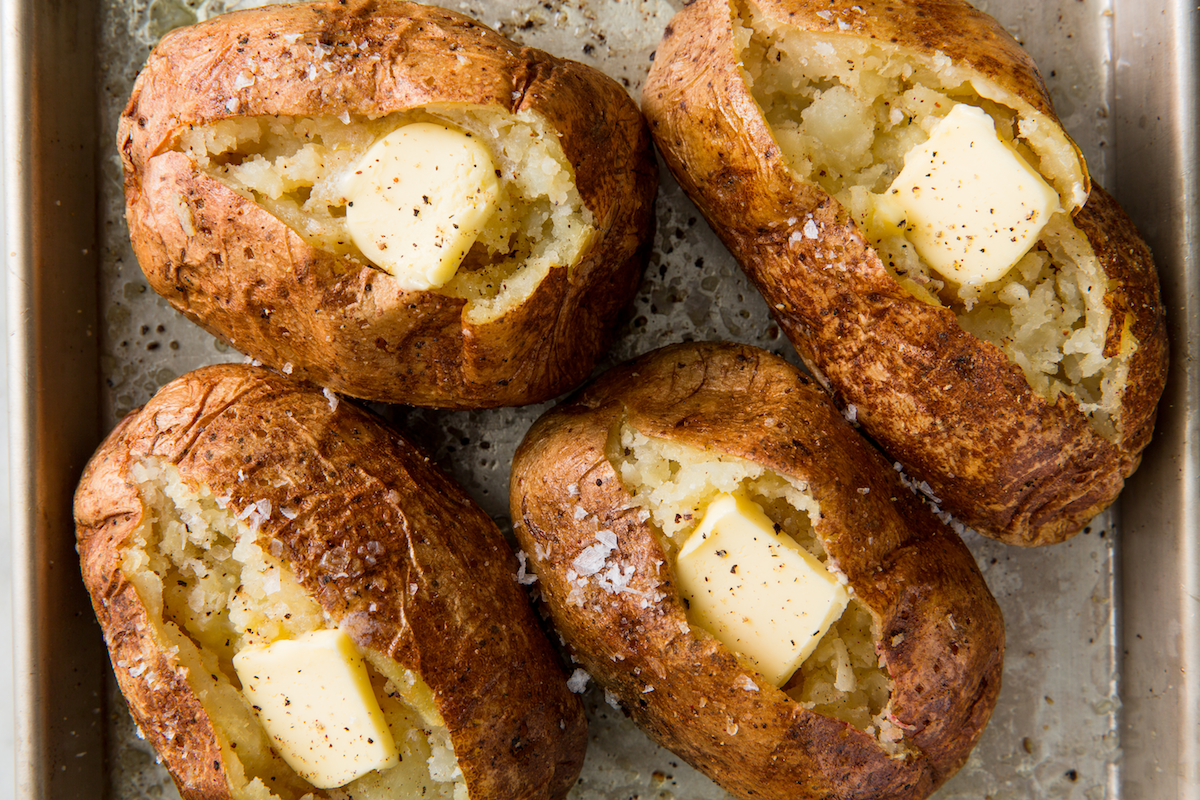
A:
[(846, 110), (292, 167), (210, 588), (675, 483)]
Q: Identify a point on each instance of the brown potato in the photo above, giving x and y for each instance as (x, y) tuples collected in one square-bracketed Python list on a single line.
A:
[(897, 692), (1024, 401), (237, 508), (233, 143)]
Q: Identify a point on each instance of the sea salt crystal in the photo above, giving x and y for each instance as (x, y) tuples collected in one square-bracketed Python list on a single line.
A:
[(243, 80), (810, 229), (580, 512), (331, 397), (591, 560), (344, 117), (287, 368), (614, 580), (611, 699), (524, 578), (232, 105), (578, 681), (851, 413), (288, 513), (747, 683)]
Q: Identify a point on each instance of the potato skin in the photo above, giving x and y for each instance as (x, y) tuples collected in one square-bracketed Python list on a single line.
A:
[(942, 635), (446, 604), (249, 279), (950, 406)]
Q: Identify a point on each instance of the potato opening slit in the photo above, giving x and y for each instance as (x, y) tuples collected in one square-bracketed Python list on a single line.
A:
[(675, 483), (212, 586), (292, 167), (845, 111)]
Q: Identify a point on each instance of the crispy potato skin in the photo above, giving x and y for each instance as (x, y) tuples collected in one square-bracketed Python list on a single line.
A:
[(251, 280), (445, 601), (950, 406), (942, 635)]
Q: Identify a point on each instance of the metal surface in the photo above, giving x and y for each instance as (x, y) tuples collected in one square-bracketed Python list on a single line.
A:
[(1157, 87), (1122, 75), (51, 260)]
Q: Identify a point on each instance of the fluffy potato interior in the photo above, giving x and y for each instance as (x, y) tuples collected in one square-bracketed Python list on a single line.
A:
[(293, 166), (845, 110), (675, 483), (212, 586)]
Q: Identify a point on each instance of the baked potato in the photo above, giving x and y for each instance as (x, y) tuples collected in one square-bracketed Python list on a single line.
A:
[(239, 524), (271, 165), (609, 493), (892, 177)]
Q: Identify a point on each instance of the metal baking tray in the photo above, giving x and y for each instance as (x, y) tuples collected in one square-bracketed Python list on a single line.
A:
[(1101, 693)]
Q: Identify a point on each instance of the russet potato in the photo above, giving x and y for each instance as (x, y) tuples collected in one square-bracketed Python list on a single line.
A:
[(1023, 400)]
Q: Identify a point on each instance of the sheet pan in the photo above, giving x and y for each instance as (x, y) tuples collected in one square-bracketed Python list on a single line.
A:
[(1102, 694)]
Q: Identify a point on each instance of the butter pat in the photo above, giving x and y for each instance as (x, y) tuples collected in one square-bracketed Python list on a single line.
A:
[(758, 592), (418, 199), (968, 202), (314, 699)]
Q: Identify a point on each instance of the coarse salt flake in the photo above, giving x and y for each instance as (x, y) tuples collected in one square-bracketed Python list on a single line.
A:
[(591, 560), (331, 397), (524, 578), (578, 681), (810, 229)]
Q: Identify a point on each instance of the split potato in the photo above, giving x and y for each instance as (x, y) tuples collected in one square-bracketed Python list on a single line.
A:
[(270, 566), (893, 179), (876, 672), (389, 199)]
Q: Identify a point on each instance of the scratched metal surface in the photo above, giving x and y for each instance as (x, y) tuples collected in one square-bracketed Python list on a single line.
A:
[(1055, 730)]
